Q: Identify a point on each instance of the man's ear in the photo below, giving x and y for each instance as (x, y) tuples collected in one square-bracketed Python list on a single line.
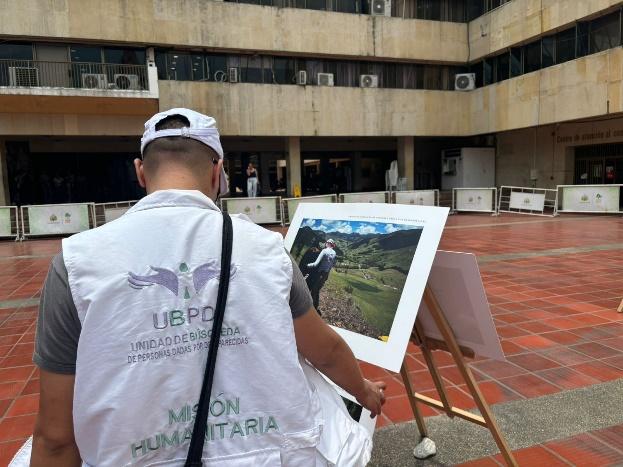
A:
[(140, 173)]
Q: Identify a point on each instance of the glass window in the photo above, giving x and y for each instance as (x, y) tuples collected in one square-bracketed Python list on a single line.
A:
[(347, 6), (605, 32), (516, 61), (503, 67), (582, 39), (532, 57), (547, 54), (124, 56), (477, 69), (316, 4), (216, 67), (487, 71), (198, 68), (284, 70), (179, 66), (251, 69), (15, 51), (475, 8), (161, 64), (85, 53), (565, 45)]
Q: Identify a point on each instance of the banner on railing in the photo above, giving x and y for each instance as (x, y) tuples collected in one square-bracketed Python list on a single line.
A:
[(263, 210), (417, 197), (371, 197), (526, 200), (107, 212), (5, 221), (591, 198), (55, 219), (474, 199), (290, 204)]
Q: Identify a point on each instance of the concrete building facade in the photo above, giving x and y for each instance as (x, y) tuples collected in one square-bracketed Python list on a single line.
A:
[(322, 95)]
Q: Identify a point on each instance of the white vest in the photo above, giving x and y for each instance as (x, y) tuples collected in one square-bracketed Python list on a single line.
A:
[(145, 288)]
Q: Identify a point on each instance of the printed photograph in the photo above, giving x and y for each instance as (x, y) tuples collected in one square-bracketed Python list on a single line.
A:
[(356, 270)]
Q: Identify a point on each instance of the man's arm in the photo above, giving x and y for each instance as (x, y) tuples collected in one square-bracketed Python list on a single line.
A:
[(330, 354), (56, 344), (317, 262), (53, 439)]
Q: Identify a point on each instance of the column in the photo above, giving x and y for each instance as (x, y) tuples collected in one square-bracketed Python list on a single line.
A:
[(293, 167), (152, 74), (4, 176), (406, 160)]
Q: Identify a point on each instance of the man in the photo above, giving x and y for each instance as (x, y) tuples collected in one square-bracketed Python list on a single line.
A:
[(126, 315), (322, 266)]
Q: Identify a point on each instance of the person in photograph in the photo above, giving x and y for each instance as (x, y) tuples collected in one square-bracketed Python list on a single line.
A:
[(251, 181), (320, 270)]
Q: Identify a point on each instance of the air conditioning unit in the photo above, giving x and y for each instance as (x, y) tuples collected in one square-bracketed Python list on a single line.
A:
[(381, 7), (368, 81), (23, 76), (126, 82), (301, 78), (465, 82), (233, 75), (94, 81), (325, 79)]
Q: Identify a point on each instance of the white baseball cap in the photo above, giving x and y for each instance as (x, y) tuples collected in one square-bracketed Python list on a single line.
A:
[(331, 241), (202, 128)]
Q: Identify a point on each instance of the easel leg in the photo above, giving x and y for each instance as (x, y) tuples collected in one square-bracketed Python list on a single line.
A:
[(421, 426), (453, 347), (425, 447), (620, 309)]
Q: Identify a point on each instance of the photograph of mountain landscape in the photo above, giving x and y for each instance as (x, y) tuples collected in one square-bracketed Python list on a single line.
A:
[(367, 265)]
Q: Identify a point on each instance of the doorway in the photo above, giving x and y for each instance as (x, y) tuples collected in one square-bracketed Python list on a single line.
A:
[(599, 164)]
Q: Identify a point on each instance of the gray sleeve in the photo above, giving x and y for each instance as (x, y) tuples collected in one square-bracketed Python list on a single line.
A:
[(58, 326), (300, 297)]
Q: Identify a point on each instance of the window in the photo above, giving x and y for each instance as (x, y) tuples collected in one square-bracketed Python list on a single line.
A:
[(565, 45), (198, 68), (503, 66), (316, 4), (348, 6), (251, 69), (124, 56), (488, 71), (161, 65), (283, 70), (516, 61), (15, 51), (605, 32), (216, 67), (85, 53), (582, 35), (532, 57), (547, 48)]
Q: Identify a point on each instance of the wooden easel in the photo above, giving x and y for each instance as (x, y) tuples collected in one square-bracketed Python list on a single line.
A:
[(620, 309), (449, 344)]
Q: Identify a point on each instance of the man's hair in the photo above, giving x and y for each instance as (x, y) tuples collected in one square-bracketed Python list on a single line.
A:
[(175, 149)]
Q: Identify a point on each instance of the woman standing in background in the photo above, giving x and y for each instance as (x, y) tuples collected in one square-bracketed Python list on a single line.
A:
[(251, 181)]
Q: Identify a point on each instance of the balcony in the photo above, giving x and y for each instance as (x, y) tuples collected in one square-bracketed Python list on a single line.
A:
[(96, 78)]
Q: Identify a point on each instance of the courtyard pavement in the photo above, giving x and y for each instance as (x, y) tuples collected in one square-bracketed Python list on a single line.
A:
[(553, 285)]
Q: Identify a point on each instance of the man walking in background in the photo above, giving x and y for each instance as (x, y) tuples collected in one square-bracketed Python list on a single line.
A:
[(322, 267)]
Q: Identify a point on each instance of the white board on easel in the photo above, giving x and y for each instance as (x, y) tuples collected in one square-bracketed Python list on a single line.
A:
[(455, 280)]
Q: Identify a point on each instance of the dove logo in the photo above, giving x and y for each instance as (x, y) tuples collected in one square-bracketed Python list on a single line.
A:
[(194, 280), (191, 282)]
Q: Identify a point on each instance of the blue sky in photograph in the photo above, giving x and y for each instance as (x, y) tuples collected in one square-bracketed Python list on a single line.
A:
[(360, 227)]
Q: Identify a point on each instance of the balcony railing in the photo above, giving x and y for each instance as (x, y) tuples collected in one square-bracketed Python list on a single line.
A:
[(73, 75)]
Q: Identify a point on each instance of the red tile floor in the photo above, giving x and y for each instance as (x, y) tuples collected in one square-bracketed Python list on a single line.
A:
[(555, 312)]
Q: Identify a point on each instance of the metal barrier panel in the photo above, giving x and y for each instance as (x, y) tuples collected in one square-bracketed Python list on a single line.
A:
[(474, 199), (9, 222), (106, 212), (290, 204), (526, 200), (56, 219), (416, 197), (262, 210), (371, 197), (595, 199)]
